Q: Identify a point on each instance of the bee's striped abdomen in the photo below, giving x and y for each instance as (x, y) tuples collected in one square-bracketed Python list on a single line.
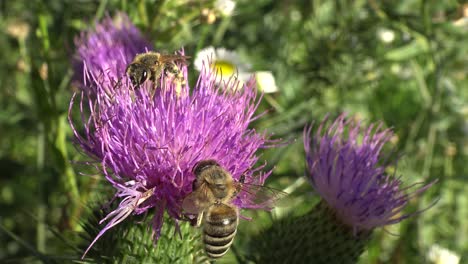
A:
[(219, 229)]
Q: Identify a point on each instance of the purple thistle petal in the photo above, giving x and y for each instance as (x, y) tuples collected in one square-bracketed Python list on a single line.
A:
[(347, 170), (132, 200)]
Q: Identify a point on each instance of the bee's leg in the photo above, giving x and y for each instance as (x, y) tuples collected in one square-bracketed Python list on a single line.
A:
[(177, 76), (132, 96), (242, 178), (156, 75), (236, 191), (178, 89), (171, 68), (192, 221), (152, 91), (175, 71), (239, 186), (167, 70), (199, 219), (180, 81)]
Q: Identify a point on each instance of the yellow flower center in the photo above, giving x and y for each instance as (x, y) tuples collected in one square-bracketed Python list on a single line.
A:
[(226, 68)]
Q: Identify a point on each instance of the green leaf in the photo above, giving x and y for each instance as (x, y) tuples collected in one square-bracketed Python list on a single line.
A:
[(408, 51)]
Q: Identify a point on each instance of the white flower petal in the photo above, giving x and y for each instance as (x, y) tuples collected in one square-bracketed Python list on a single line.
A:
[(440, 255), (226, 62), (225, 7), (205, 54), (386, 35), (266, 82)]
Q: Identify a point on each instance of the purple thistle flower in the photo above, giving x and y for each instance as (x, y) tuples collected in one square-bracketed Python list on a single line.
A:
[(106, 51), (147, 140), (348, 171)]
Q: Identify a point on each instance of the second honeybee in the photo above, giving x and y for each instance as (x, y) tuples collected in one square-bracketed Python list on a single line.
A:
[(211, 201)]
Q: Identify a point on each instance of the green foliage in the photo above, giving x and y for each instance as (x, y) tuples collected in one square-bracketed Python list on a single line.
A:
[(327, 57)]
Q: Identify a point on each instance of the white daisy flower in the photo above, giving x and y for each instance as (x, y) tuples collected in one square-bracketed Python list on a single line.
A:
[(225, 7), (225, 62), (440, 255)]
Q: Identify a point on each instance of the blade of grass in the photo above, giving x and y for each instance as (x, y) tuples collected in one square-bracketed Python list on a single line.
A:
[(25, 244)]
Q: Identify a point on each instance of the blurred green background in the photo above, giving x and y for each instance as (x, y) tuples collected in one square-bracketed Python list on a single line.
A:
[(401, 62)]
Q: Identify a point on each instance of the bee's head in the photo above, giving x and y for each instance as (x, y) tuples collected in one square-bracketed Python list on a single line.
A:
[(203, 165), (138, 73), (211, 173)]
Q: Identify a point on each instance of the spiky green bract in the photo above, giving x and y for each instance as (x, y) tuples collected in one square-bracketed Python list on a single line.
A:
[(131, 242), (316, 237)]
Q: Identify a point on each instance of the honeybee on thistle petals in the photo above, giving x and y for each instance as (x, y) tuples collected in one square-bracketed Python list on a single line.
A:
[(211, 201), (152, 65)]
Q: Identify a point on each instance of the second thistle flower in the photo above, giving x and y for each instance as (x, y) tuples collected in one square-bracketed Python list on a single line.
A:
[(347, 167)]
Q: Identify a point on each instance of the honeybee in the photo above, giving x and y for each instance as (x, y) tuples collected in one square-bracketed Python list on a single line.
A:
[(152, 65), (211, 201)]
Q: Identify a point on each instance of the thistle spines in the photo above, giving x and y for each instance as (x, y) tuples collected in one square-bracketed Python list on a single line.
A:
[(316, 237)]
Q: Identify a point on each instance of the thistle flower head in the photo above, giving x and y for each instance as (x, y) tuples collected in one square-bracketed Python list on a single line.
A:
[(148, 140), (348, 170), (105, 51)]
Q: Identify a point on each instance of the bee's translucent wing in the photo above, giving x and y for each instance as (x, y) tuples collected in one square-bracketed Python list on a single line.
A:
[(258, 197), (196, 202), (174, 58)]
